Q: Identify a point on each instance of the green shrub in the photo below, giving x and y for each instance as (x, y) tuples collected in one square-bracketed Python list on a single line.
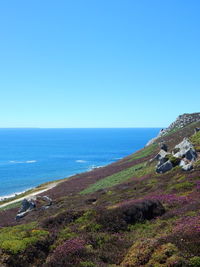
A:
[(195, 261), (87, 264), (195, 139), (183, 186), (144, 152), (17, 238)]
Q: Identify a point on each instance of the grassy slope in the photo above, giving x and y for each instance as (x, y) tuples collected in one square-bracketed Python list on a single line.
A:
[(72, 224)]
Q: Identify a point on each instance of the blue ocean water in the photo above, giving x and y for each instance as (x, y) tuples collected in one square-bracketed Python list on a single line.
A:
[(29, 157)]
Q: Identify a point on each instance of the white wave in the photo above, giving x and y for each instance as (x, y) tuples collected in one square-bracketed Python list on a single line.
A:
[(16, 161), (81, 161), (92, 167), (19, 162), (13, 195)]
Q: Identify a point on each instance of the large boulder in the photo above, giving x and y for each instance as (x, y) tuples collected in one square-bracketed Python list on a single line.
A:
[(26, 206), (191, 154), (186, 150), (167, 166)]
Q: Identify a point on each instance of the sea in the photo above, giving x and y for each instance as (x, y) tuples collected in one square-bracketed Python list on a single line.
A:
[(30, 157)]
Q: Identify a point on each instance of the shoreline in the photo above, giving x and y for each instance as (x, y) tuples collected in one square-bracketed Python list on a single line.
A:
[(17, 197), (16, 194), (30, 193), (13, 195)]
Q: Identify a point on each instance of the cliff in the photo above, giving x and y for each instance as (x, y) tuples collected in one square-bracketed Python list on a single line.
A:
[(125, 214)]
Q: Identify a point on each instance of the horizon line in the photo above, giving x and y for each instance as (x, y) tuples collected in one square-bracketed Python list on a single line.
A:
[(81, 127)]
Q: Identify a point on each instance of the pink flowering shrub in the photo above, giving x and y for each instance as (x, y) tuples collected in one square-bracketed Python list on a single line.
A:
[(186, 235), (69, 253), (170, 199), (198, 185)]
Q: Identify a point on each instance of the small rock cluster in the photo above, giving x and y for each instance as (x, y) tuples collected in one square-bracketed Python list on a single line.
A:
[(183, 155), (28, 205)]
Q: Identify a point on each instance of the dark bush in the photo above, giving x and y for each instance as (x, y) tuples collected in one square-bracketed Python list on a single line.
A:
[(62, 218), (118, 218)]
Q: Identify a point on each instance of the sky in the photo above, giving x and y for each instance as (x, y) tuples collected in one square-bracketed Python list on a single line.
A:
[(98, 63)]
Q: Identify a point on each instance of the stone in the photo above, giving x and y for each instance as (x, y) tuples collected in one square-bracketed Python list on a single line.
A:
[(187, 167), (47, 199), (191, 154), (26, 207), (164, 147), (167, 166), (185, 144), (161, 154), (196, 130), (162, 161), (26, 204), (186, 150), (30, 204)]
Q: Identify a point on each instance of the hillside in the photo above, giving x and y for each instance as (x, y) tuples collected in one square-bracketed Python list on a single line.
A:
[(134, 212)]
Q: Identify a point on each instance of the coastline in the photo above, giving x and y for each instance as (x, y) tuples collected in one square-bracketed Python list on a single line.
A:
[(34, 191), (30, 193)]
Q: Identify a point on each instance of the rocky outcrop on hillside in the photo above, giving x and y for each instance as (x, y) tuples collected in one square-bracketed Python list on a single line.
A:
[(182, 121), (27, 205), (183, 155)]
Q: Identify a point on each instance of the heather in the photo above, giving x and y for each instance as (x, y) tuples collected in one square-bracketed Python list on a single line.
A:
[(124, 214)]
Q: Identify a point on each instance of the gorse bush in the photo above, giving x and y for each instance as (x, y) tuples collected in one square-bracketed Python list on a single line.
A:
[(18, 238)]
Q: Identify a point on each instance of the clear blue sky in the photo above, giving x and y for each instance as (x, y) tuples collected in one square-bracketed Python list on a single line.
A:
[(98, 63)]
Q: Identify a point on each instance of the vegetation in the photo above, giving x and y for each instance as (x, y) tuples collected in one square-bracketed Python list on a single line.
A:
[(144, 152), (101, 218), (18, 238), (119, 177)]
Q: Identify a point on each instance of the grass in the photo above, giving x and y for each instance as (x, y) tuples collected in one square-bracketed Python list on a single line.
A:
[(10, 206), (144, 152), (119, 177), (195, 139), (182, 186), (17, 238)]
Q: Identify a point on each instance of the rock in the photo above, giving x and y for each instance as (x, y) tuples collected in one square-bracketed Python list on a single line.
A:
[(164, 147), (30, 204), (26, 207), (162, 161), (182, 121), (167, 166), (47, 199), (191, 154), (186, 166), (162, 154), (186, 150), (196, 130), (185, 144)]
